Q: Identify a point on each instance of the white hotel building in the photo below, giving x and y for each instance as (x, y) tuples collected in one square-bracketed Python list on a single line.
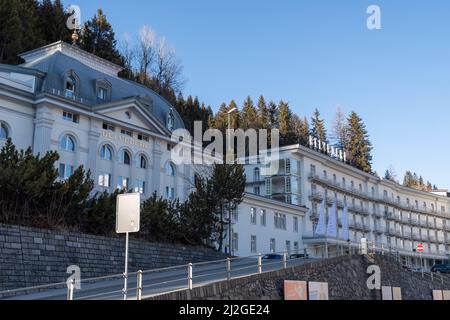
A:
[(70, 101), (394, 217), (65, 99)]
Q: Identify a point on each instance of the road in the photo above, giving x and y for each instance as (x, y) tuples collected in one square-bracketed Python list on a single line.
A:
[(158, 282)]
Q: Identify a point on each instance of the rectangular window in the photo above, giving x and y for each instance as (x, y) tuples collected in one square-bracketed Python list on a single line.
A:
[(139, 186), (253, 215), (296, 247), (65, 171), (123, 182), (288, 185), (102, 94), (235, 242), (235, 214), (288, 166), (257, 190), (280, 221), (263, 216), (145, 138), (288, 247), (268, 186), (108, 127), (295, 224), (68, 116), (253, 244), (104, 180), (126, 132), (170, 193), (313, 170), (273, 247)]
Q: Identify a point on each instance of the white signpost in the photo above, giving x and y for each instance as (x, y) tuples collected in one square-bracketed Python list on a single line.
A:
[(128, 212), (364, 246)]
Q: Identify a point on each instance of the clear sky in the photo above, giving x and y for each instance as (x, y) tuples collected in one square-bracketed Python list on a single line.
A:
[(317, 53)]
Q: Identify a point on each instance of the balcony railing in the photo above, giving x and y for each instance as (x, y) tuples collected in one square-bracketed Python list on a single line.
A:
[(317, 196), (423, 223), (380, 229)]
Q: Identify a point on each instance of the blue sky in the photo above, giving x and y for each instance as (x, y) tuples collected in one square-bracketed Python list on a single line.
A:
[(320, 54)]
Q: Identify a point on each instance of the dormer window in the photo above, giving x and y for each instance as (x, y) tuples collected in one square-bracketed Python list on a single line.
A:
[(170, 121), (103, 91), (71, 85)]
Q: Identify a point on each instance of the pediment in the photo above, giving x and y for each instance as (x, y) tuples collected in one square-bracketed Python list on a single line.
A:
[(133, 114)]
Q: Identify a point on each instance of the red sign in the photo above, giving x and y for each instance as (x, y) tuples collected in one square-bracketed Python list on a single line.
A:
[(420, 248)]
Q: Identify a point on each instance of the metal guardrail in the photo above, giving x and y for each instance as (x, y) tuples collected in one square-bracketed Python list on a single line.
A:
[(192, 274)]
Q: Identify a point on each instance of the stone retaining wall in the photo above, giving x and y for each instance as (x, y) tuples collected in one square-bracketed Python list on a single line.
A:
[(346, 277), (31, 257)]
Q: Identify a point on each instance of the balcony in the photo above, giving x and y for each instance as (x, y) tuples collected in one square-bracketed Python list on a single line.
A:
[(415, 222), (432, 238), (406, 220), (423, 223), (380, 229), (441, 240), (424, 237), (389, 215), (316, 196), (366, 227), (416, 236), (431, 224), (379, 214), (391, 232), (398, 233)]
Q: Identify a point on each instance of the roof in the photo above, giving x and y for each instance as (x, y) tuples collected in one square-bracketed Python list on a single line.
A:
[(58, 59)]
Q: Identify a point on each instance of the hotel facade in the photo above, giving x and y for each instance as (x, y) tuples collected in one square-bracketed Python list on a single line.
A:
[(70, 101), (66, 100), (389, 215)]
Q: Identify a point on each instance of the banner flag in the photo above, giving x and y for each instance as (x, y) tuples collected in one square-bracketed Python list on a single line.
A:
[(345, 231), (320, 228), (332, 221)]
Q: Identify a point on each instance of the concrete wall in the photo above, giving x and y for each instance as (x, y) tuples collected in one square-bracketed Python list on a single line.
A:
[(346, 277), (30, 257)]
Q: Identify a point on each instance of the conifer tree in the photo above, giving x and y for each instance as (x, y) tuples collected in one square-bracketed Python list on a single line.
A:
[(318, 127), (248, 115), (263, 114), (285, 123), (359, 147), (98, 37)]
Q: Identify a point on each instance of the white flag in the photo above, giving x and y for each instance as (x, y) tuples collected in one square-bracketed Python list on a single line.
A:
[(332, 221), (320, 228), (345, 233)]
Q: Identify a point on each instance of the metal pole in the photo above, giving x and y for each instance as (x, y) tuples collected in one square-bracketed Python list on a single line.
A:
[(421, 263), (125, 274), (70, 289), (259, 263), (284, 259), (382, 249), (139, 285), (228, 269), (190, 276)]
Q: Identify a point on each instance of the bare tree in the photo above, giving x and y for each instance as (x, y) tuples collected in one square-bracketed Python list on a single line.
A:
[(128, 53), (145, 53), (339, 129), (168, 69)]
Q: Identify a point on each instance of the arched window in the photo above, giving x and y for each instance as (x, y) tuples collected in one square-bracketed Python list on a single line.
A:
[(4, 132), (142, 162), (106, 153), (67, 143), (170, 121), (170, 169), (126, 157), (256, 174)]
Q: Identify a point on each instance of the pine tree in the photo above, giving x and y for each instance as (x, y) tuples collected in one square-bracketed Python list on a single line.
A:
[(318, 127), (263, 114), (359, 147), (273, 115), (248, 115), (52, 23), (285, 123), (98, 37), (301, 129)]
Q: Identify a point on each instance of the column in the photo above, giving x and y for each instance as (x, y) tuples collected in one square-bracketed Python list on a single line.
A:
[(156, 181), (93, 140), (43, 124)]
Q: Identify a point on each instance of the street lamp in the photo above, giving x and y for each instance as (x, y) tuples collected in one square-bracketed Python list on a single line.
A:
[(229, 159)]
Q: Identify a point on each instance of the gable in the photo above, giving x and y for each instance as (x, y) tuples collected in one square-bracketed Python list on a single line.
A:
[(133, 116)]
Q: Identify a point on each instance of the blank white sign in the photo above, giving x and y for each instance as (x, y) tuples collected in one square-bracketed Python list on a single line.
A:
[(128, 212)]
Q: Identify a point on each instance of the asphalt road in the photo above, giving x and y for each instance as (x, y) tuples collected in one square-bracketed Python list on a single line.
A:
[(158, 282)]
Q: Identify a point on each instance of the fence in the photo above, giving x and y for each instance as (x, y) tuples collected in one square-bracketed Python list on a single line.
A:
[(145, 283)]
